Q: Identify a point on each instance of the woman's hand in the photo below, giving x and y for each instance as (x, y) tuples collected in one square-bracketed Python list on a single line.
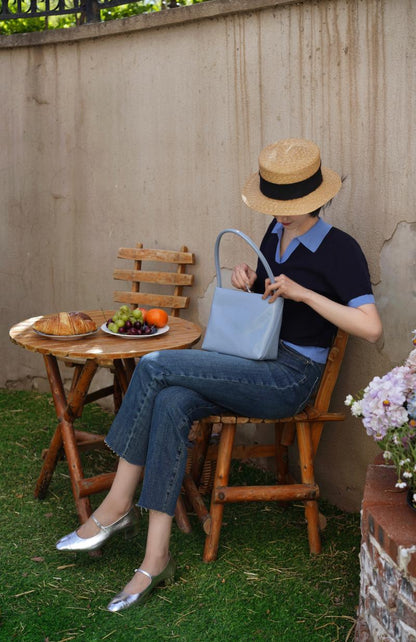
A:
[(284, 287), (243, 277)]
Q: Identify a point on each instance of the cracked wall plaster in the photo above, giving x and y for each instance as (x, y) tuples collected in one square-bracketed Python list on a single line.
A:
[(396, 292)]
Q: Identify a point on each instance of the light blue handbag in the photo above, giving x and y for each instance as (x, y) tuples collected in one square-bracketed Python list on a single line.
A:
[(241, 323)]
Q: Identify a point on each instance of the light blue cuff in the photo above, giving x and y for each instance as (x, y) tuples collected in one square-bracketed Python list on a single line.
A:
[(361, 300)]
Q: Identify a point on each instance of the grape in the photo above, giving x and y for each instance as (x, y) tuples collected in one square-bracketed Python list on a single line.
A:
[(137, 314), (130, 322)]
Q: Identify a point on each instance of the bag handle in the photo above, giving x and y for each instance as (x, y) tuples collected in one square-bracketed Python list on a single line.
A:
[(252, 245)]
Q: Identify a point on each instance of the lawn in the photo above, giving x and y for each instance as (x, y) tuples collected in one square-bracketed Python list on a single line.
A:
[(264, 586)]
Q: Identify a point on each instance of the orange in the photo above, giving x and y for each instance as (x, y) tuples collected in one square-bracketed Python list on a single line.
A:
[(156, 317)]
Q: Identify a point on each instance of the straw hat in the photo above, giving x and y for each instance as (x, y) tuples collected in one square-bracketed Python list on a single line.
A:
[(290, 180)]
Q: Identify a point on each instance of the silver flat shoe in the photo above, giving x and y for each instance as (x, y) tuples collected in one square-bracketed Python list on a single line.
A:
[(129, 523), (124, 600)]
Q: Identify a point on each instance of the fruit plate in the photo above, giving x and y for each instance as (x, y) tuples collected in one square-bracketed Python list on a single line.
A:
[(158, 332), (66, 337)]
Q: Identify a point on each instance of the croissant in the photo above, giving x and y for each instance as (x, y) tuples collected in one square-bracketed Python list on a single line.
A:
[(65, 324)]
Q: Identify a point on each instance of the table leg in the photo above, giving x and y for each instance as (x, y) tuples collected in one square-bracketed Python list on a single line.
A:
[(121, 374), (66, 411), (56, 444)]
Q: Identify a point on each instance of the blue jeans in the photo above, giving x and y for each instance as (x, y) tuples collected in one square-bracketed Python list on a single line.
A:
[(171, 389)]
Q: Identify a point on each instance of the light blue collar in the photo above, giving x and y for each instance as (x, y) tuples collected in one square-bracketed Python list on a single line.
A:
[(310, 239)]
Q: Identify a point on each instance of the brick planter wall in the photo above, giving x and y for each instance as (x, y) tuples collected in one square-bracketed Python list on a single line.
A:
[(387, 607)]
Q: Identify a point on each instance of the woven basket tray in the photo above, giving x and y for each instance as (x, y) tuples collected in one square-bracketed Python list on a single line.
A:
[(207, 477)]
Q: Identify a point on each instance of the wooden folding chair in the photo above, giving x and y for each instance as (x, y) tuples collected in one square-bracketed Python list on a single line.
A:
[(306, 427), (163, 277)]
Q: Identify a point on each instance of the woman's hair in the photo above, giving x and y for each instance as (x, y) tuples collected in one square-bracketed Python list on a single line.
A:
[(328, 203), (315, 213)]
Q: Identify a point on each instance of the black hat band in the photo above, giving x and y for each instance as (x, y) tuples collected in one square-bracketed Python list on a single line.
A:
[(290, 191)]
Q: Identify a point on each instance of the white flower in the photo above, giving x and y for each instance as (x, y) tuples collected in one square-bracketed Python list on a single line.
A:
[(403, 462), (356, 410), (407, 475), (401, 484), (387, 454), (349, 400)]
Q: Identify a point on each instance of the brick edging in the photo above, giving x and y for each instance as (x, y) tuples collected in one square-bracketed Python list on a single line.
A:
[(387, 610)]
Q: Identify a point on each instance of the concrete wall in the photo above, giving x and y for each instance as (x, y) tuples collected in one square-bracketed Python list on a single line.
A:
[(146, 129)]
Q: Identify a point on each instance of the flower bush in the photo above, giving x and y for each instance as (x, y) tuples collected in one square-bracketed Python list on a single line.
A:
[(387, 408)]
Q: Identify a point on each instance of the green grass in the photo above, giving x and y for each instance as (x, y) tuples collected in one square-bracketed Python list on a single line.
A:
[(264, 585)]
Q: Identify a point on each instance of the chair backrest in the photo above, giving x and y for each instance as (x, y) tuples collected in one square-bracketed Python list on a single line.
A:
[(331, 372), (327, 385), (162, 280)]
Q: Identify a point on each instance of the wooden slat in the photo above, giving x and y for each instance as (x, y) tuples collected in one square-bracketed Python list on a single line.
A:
[(90, 485), (146, 254), (291, 492), (152, 300), (99, 394), (312, 415), (161, 278)]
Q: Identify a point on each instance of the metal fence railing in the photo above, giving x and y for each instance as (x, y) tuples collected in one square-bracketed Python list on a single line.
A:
[(89, 9)]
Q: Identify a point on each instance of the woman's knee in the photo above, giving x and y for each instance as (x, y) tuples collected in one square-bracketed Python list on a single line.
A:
[(150, 366), (175, 401)]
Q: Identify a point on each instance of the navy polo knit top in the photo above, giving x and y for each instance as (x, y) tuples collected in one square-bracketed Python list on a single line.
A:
[(325, 260)]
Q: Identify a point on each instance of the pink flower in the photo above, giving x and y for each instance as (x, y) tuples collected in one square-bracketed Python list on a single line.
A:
[(387, 408), (382, 405)]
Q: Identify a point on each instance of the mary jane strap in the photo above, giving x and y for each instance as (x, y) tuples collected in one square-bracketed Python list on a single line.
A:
[(140, 570)]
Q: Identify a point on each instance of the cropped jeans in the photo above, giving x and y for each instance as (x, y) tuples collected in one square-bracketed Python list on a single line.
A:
[(171, 389)]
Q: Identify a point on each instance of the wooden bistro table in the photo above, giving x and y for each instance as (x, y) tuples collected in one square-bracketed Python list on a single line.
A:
[(91, 352)]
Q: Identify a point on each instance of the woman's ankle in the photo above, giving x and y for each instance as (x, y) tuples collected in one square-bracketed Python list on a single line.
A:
[(155, 563), (110, 510), (105, 515)]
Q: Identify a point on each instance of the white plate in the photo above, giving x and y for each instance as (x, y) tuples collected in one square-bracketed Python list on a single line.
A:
[(158, 332), (65, 337)]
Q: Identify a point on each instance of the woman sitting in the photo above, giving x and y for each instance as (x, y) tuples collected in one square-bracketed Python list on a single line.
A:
[(323, 276)]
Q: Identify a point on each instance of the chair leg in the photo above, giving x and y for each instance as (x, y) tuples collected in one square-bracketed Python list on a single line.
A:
[(308, 477), (222, 473), (199, 451), (181, 516), (117, 394), (281, 455)]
